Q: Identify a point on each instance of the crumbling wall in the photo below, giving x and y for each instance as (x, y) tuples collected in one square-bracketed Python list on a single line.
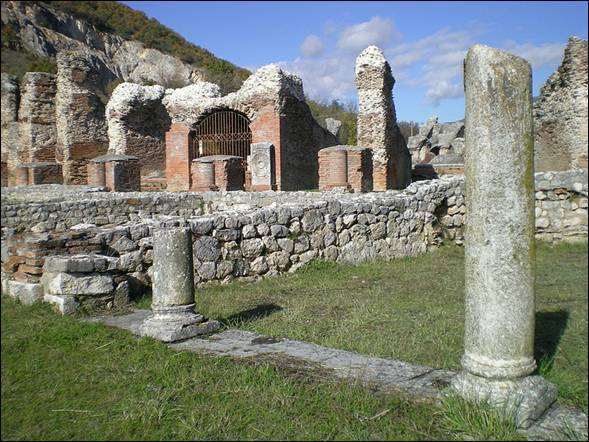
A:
[(377, 121), (274, 102), (560, 113), (137, 123), (9, 127), (437, 139), (81, 122), (36, 115)]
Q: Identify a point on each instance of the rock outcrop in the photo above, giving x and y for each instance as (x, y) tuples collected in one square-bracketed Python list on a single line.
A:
[(560, 113), (45, 32)]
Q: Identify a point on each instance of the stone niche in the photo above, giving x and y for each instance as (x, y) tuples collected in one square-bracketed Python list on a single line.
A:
[(347, 167), (118, 173), (274, 104), (218, 172)]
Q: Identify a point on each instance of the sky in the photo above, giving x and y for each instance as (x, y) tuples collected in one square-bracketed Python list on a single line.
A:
[(424, 42)]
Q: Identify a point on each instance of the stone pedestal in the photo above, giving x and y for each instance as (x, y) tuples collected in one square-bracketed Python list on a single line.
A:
[(174, 317), (261, 164), (118, 173), (499, 239)]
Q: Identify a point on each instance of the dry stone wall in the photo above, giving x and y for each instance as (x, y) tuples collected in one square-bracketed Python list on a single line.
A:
[(253, 234)]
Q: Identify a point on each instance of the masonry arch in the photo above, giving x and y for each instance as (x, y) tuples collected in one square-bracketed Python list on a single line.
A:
[(222, 131)]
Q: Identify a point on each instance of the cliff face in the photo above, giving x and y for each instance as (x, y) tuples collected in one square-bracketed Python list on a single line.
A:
[(45, 32), (560, 113)]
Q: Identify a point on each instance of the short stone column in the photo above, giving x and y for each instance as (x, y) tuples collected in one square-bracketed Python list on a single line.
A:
[(174, 317), (203, 174), (96, 174), (21, 175), (499, 241)]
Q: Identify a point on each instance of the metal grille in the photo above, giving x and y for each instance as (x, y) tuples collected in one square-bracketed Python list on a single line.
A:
[(222, 133)]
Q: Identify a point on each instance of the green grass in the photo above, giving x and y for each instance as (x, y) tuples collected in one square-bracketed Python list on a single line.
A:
[(412, 309), (65, 379)]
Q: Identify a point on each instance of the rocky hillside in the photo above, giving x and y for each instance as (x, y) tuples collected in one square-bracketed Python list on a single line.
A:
[(133, 47)]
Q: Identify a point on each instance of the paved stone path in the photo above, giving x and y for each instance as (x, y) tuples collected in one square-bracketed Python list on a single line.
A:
[(379, 374)]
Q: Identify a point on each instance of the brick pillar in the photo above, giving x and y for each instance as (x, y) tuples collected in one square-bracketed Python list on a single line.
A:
[(96, 174), (266, 127), (360, 169), (203, 174), (22, 176), (333, 167), (178, 158), (123, 174)]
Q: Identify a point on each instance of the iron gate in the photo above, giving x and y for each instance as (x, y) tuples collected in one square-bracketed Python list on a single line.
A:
[(224, 132)]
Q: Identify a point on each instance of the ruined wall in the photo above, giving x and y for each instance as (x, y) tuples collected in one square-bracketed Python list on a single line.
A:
[(9, 127), (560, 113), (437, 139), (137, 123), (377, 121), (244, 235), (36, 115), (81, 123), (274, 102)]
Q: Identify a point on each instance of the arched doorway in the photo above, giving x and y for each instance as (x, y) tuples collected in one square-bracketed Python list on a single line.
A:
[(222, 132)]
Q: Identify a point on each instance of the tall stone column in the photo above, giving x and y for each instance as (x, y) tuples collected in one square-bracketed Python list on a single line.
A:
[(500, 250), (377, 121), (174, 317)]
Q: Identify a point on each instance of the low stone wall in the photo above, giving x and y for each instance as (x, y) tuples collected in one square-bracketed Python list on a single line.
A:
[(251, 235), (561, 205)]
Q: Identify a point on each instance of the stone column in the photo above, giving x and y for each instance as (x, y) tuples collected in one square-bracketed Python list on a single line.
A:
[(174, 317), (377, 121), (499, 269)]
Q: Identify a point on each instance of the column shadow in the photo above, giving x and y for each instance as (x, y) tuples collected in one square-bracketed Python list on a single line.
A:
[(550, 326), (252, 314)]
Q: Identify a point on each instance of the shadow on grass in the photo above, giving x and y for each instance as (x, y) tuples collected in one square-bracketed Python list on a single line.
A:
[(550, 327), (253, 314)]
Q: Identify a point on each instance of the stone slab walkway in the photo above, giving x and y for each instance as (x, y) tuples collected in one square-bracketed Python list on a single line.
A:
[(381, 375)]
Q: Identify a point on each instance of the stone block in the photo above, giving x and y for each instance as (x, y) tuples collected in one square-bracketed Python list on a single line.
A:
[(27, 293), (77, 284), (64, 304)]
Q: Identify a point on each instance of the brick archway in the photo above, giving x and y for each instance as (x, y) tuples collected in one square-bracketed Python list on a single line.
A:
[(221, 132)]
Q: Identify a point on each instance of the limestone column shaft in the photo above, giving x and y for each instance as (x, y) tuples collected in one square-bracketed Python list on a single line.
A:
[(499, 246)]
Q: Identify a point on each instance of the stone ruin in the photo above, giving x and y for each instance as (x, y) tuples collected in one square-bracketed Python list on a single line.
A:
[(77, 248), (560, 113), (377, 121)]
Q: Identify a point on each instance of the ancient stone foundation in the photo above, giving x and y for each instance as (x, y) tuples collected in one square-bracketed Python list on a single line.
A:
[(498, 355), (347, 167), (377, 121)]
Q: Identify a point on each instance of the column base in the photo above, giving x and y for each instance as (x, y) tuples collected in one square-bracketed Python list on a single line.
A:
[(524, 399), (176, 324)]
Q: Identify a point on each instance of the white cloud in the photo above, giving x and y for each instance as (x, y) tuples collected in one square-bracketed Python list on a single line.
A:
[(377, 31), (432, 64), (312, 46), (548, 54)]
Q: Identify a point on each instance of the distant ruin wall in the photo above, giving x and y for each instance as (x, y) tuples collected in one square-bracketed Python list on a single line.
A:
[(560, 113)]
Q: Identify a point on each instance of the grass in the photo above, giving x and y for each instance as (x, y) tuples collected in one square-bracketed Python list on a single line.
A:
[(64, 379)]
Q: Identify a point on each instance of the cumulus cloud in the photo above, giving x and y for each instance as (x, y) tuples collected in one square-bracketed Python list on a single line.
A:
[(431, 65), (376, 31), (549, 54), (312, 46)]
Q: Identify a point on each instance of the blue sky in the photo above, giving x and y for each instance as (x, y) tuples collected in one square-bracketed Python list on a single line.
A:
[(424, 42)]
